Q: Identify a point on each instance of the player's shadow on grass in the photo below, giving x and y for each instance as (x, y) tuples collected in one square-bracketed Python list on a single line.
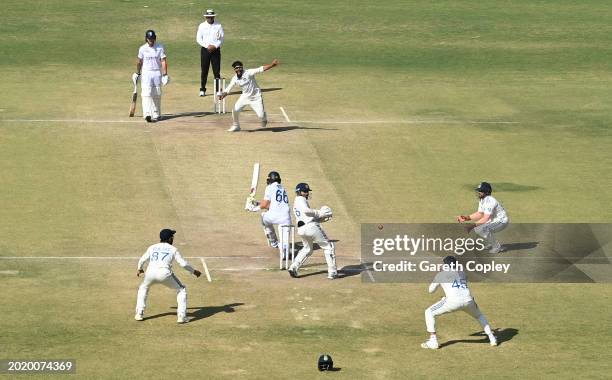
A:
[(502, 335), (271, 89), (287, 128), (521, 246), (185, 114), (201, 312)]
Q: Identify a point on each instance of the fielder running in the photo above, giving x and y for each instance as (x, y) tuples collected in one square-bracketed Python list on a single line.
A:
[(490, 218), (154, 68), (458, 297), (159, 270), (251, 93), (309, 229), (276, 209)]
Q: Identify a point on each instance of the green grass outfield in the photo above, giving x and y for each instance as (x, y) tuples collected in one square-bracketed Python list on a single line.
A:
[(396, 110)]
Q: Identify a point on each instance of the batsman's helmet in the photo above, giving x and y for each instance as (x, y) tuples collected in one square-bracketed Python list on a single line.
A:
[(325, 363), (150, 35), (302, 188), (273, 177), (449, 260), (484, 187)]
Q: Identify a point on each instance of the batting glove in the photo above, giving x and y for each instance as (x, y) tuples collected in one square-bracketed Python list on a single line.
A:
[(165, 79), (135, 77)]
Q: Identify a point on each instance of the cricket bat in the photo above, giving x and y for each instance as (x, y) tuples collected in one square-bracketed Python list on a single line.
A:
[(254, 179), (134, 96)]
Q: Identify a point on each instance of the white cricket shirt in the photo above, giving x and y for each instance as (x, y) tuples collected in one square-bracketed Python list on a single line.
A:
[(161, 255), (210, 34), (279, 201), (151, 56), (247, 83), (490, 205), (454, 284)]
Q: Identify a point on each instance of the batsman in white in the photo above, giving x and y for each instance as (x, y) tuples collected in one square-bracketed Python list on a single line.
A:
[(309, 229), (276, 208), (251, 93), (154, 68), (458, 297), (159, 270), (490, 218)]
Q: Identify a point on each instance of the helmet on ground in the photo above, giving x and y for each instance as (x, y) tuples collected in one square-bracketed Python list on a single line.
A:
[(325, 363)]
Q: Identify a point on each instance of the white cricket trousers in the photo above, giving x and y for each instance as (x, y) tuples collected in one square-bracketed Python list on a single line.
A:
[(150, 89), (268, 220), (447, 306), (487, 231), (256, 104), (165, 277), (313, 233)]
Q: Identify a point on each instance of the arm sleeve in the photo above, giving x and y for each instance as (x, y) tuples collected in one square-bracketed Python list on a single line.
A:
[(182, 262), (221, 36), (162, 53), (140, 55), (230, 85), (143, 260), (258, 70), (433, 286), (200, 37), (268, 193), (309, 211)]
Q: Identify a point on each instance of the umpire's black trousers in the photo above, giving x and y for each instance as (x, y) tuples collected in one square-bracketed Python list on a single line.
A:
[(207, 59)]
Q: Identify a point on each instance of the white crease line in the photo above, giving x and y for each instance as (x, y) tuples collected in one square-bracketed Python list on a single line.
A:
[(71, 121), (285, 115), (368, 272), (205, 269), (9, 272), (190, 121), (137, 258), (403, 122)]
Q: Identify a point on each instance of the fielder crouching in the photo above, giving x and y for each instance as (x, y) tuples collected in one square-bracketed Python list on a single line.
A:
[(457, 296), (159, 270), (309, 229)]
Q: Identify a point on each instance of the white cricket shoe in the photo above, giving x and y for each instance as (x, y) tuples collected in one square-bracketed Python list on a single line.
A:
[(497, 249), (492, 340), (138, 317), (234, 128), (182, 319), (202, 93), (274, 244), (430, 344), (332, 276)]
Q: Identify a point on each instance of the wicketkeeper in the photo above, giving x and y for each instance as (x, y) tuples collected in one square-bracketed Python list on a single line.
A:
[(159, 271), (309, 229)]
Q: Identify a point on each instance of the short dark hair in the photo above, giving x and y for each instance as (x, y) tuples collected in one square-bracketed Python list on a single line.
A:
[(237, 64), (449, 260), (166, 234)]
